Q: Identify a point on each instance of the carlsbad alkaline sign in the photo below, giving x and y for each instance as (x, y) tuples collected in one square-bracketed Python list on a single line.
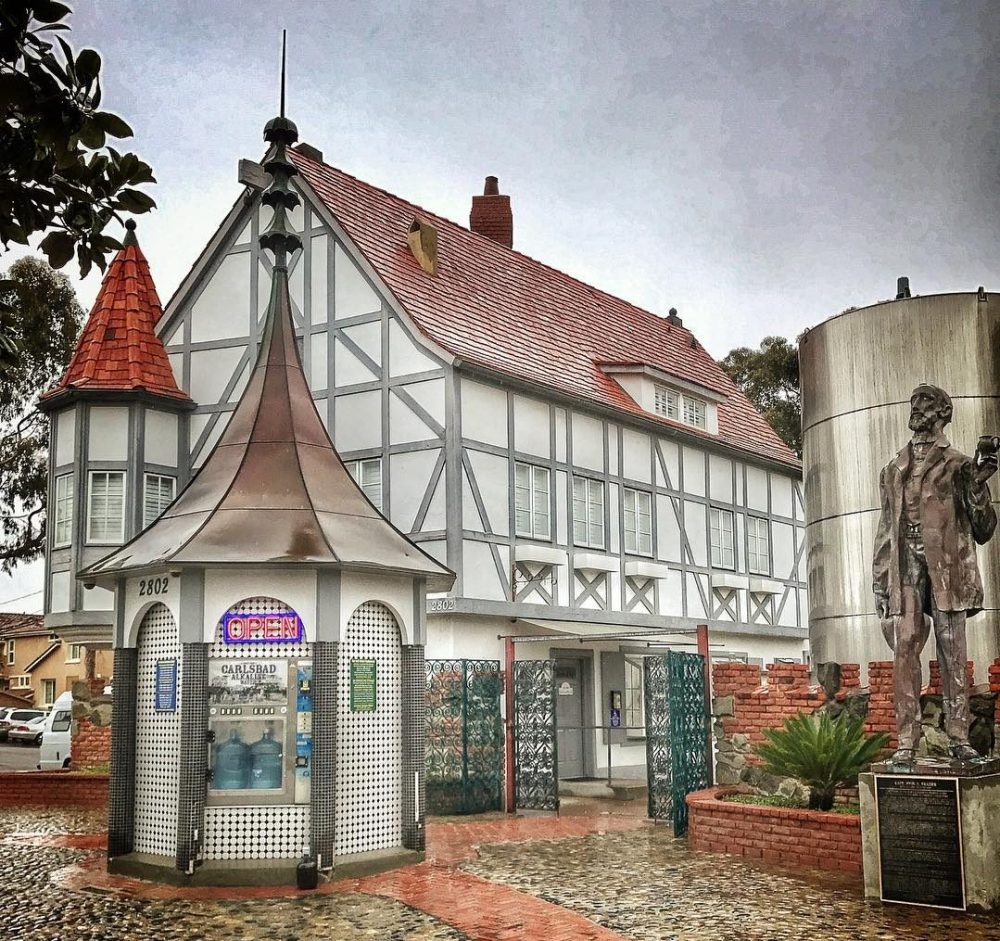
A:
[(283, 628)]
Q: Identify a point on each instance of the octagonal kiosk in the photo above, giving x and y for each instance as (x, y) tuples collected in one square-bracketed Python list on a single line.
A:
[(269, 664)]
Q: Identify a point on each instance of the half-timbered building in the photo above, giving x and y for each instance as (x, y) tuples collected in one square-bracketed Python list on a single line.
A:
[(584, 466)]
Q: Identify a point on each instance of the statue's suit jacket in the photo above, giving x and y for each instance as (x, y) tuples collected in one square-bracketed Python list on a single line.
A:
[(955, 514)]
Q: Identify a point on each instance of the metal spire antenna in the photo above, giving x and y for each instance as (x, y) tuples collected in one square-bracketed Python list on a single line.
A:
[(281, 133)]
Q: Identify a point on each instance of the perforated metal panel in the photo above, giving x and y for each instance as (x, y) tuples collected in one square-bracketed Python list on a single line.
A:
[(259, 605), (369, 759), (256, 832), (276, 831), (157, 738)]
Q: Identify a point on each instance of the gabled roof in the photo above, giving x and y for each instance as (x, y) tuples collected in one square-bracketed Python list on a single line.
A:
[(118, 350), (14, 625), (274, 490), (499, 309), (44, 655)]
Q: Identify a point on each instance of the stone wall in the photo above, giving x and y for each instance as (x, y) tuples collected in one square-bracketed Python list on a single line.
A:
[(746, 703)]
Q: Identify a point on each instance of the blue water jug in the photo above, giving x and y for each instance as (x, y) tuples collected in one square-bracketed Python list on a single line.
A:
[(265, 762), (231, 771)]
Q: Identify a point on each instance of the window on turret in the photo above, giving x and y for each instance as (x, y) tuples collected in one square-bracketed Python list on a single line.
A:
[(158, 495), (368, 475), (106, 507), (62, 530)]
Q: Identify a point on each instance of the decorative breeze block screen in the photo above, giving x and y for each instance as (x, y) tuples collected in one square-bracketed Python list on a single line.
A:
[(157, 737), (369, 744)]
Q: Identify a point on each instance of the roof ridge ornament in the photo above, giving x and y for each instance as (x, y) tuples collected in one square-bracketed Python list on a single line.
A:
[(280, 132)]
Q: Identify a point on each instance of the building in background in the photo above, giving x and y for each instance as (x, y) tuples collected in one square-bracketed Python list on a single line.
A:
[(584, 466), (37, 665), (858, 371)]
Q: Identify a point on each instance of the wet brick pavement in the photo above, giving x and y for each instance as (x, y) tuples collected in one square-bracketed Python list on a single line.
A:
[(567, 879)]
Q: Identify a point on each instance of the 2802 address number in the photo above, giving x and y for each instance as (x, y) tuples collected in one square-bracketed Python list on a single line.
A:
[(154, 586)]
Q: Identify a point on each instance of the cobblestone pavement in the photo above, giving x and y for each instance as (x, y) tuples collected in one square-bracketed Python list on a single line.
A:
[(566, 879)]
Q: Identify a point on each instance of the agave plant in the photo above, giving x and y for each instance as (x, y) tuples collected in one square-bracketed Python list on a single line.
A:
[(822, 753)]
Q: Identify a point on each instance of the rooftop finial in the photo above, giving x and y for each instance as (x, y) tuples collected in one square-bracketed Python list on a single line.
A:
[(130, 238), (280, 132)]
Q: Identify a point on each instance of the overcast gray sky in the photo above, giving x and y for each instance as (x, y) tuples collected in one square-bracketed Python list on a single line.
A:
[(759, 166)]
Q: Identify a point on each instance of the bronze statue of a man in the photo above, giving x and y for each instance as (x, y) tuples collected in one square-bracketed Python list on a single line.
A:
[(935, 508)]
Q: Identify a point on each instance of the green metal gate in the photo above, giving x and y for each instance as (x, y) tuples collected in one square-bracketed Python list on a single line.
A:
[(677, 759), (464, 765), (536, 777)]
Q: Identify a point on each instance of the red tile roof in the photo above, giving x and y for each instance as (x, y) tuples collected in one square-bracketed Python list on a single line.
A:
[(500, 309), (15, 624), (119, 349)]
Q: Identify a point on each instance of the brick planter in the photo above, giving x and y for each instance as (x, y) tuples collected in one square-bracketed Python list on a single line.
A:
[(53, 789), (783, 835)]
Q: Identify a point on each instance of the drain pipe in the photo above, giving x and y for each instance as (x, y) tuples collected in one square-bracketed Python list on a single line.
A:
[(508, 688)]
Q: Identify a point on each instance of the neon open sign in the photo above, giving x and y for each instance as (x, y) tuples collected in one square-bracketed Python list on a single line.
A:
[(262, 628)]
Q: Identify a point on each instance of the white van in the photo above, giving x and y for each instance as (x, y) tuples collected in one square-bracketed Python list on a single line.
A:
[(54, 752)]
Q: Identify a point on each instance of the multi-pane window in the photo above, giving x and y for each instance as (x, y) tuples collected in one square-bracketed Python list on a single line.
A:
[(48, 692), (158, 496), (368, 474), (62, 530), (723, 552), (588, 512), (758, 556), (10, 652), (665, 402), (635, 715), (680, 406), (694, 411), (106, 511), (531, 501), (638, 518), (74, 652), (20, 682)]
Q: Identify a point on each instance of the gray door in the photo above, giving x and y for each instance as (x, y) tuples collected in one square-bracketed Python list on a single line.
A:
[(569, 717)]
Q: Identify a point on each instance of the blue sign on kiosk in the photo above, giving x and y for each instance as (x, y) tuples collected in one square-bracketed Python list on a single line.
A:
[(166, 686)]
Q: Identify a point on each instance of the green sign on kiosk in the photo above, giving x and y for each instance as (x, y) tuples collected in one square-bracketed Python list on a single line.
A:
[(363, 697)]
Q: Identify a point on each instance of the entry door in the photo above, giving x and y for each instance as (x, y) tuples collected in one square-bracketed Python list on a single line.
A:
[(569, 717)]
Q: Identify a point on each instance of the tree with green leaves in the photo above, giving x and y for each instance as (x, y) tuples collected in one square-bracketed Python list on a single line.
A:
[(769, 378), (57, 174), (45, 329)]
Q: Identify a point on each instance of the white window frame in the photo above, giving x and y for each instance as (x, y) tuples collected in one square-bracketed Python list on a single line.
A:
[(633, 699), (71, 649), (11, 656), (21, 681), (62, 517), (146, 518), (638, 521), (360, 470), (592, 517), (532, 506), (758, 545), (47, 684), (723, 548), (680, 406), (108, 538)]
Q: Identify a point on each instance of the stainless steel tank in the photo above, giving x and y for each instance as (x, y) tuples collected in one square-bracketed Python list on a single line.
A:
[(858, 370)]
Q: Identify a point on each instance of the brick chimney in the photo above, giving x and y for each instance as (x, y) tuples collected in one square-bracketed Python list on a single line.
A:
[(491, 215)]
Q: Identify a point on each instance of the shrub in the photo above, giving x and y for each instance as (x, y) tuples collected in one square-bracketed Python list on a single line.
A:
[(822, 753)]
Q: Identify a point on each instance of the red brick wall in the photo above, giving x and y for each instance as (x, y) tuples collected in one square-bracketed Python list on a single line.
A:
[(779, 835), (53, 789), (91, 744)]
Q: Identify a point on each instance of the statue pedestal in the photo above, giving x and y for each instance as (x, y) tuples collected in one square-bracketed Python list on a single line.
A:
[(932, 837)]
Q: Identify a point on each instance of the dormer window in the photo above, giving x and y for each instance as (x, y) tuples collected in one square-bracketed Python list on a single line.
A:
[(680, 406)]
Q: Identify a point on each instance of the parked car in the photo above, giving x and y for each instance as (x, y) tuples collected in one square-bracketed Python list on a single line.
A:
[(17, 716), (28, 732), (55, 750)]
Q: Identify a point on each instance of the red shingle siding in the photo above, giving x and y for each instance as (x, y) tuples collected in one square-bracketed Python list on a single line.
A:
[(496, 308), (119, 349)]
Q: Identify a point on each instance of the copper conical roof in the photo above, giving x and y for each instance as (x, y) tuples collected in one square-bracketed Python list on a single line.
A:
[(274, 490)]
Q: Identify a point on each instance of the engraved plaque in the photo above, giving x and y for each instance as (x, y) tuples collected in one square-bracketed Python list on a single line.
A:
[(920, 840)]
